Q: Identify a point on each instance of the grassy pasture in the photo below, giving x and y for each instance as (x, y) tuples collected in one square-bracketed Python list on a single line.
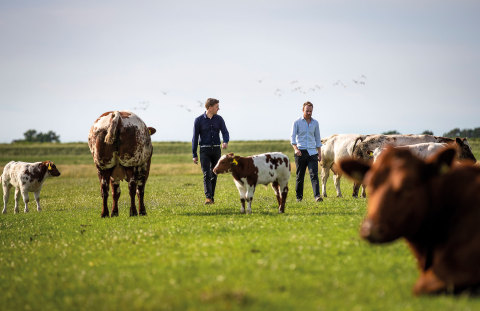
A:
[(185, 256)]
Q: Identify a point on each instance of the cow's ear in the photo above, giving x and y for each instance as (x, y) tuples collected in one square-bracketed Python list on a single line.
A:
[(442, 161), (354, 169), (151, 130), (230, 155)]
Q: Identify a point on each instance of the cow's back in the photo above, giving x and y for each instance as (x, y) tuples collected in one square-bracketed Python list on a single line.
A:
[(131, 141), (272, 167)]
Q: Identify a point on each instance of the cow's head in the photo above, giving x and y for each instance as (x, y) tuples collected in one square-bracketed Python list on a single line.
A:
[(51, 168), (398, 191), (225, 164), (465, 152)]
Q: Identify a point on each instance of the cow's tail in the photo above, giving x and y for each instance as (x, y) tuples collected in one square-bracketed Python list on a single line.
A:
[(112, 128), (359, 138)]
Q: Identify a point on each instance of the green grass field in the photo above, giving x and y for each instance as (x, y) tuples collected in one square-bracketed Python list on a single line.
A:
[(186, 256)]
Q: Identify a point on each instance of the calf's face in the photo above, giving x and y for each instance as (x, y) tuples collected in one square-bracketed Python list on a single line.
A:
[(224, 165), (51, 169), (398, 191)]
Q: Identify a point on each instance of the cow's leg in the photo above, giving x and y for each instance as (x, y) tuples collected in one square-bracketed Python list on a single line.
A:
[(141, 178), (249, 197), (325, 173), (364, 192), (17, 198), (356, 187), (116, 191), (284, 189), (26, 199), (37, 200), (6, 195), (336, 182), (132, 189), (428, 283), (104, 176), (241, 192), (276, 188)]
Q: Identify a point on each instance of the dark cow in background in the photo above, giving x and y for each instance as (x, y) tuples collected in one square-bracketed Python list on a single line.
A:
[(434, 206), (26, 177), (122, 149), (263, 169)]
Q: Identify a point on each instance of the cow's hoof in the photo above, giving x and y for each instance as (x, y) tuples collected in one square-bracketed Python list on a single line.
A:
[(115, 214), (339, 196), (143, 213), (325, 195), (104, 215), (281, 212)]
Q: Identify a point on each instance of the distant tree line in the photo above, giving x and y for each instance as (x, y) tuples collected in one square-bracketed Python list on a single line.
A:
[(470, 133), (32, 136)]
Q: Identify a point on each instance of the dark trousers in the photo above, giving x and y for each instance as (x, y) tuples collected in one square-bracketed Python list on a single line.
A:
[(209, 157), (302, 162)]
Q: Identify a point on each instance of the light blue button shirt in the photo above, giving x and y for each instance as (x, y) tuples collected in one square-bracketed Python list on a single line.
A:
[(306, 135)]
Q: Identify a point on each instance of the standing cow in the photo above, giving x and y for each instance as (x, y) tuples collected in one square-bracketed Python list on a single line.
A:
[(434, 206), (122, 149), (364, 149), (263, 169), (335, 148)]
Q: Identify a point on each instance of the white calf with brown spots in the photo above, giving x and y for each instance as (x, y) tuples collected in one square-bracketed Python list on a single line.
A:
[(26, 177), (263, 169)]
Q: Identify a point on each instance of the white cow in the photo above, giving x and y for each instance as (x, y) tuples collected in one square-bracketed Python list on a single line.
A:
[(334, 148)]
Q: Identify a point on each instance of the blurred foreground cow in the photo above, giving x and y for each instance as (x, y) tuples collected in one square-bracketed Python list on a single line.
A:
[(434, 207), (263, 169), (122, 149), (26, 177)]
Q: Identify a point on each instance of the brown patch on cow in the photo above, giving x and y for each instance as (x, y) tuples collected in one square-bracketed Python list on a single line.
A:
[(245, 169), (125, 114), (36, 172), (275, 161)]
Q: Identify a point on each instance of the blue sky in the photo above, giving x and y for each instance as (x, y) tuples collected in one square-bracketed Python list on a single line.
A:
[(367, 66)]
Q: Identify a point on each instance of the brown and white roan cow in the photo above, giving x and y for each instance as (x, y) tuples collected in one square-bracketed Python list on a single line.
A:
[(434, 206), (363, 150), (122, 150), (26, 177), (263, 169)]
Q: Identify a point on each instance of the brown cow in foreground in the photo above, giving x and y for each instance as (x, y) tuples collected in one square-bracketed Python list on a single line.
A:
[(122, 149), (434, 206)]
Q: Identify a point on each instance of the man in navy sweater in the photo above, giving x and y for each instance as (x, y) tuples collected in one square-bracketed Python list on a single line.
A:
[(206, 130)]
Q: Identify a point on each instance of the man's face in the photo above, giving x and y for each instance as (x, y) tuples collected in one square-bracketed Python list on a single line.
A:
[(307, 112), (214, 109)]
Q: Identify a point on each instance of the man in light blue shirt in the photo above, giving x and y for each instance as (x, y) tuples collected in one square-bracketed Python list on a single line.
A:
[(307, 145)]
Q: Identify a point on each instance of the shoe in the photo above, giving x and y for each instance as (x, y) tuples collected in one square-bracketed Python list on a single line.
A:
[(299, 199), (208, 201), (318, 199)]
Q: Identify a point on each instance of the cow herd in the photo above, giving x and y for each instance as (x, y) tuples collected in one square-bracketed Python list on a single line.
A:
[(423, 188)]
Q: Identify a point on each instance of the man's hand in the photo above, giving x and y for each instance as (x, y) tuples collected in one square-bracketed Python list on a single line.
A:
[(319, 157), (195, 160), (298, 152), (224, 145)]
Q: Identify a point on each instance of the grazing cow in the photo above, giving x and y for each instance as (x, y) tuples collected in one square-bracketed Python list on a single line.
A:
[(122, 149), (263, 169), (425, 150), (434, 206), (26, 177), (334, 148), (363, 150)]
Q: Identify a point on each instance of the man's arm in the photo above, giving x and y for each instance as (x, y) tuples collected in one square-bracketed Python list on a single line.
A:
[(195, 142), (293, 140)]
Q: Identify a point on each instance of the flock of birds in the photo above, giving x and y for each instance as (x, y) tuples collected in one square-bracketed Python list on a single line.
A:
[(294, 86)]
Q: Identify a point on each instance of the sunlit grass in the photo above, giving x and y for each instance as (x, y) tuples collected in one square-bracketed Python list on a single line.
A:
[(186, 256)]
